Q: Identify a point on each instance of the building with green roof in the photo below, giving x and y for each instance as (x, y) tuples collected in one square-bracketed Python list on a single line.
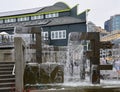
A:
[(57, 21)]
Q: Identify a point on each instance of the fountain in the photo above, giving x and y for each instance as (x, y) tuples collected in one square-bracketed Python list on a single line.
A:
[(53, 67)]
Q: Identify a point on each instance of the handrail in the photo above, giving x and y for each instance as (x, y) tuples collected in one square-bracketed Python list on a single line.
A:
[(13, 72)]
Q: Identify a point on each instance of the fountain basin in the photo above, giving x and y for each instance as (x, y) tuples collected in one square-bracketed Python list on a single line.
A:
[(83, 86), (80, 89)]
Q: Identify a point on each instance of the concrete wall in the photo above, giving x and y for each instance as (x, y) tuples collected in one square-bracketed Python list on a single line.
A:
[(19, 63), (6, 55)]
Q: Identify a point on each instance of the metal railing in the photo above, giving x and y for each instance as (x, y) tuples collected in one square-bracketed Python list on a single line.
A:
[(13, 71)]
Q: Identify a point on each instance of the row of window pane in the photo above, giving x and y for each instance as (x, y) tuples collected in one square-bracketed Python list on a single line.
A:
[(23, 19), (32, 18), (58, 34), (37, 17), (51, 15), (61, 34), (10, 20), (54, 35)]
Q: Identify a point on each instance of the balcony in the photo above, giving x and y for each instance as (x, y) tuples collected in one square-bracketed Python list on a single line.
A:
[(7, 45)]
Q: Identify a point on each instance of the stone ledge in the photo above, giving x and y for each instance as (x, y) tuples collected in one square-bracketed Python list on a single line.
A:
[(92, 89)]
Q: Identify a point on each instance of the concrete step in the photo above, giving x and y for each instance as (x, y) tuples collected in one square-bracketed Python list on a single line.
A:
[(7, 89), (6, 65), (7, 76), (7, 80), (6, 68), (5, 72), (7, 84)]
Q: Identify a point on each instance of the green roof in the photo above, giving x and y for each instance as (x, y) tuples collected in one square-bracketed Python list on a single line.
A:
[(58, 7)]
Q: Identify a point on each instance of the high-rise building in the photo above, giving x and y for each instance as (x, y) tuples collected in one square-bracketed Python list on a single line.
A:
[(113, 23)]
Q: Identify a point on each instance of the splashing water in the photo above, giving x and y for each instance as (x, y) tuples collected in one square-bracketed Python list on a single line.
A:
[(74, 64)]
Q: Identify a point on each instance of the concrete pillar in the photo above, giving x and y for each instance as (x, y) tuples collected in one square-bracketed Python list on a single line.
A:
[(19, 63), (38, 44), (95, 59)]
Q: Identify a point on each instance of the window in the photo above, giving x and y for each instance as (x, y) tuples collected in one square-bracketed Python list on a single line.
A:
[(37, 17), (61, 34), (1, 21), (52, 35), (10, 20), (51, 15), (64, 34), (45, 35), (23, 19), (6, 20), (56, 35)]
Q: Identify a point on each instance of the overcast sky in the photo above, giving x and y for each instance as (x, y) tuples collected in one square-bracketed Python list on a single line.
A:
[(101, 10)]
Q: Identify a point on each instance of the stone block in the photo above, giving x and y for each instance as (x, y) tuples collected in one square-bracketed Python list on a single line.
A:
[(43, 73)]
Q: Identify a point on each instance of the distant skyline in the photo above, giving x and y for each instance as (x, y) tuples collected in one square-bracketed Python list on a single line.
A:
[(100, 10)]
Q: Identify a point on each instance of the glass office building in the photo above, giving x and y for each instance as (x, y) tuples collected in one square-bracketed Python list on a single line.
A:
[(113, 23)]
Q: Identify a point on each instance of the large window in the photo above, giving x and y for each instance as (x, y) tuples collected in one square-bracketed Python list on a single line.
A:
[(23, 19), (60, 34), (37, 17), (10, 20), (51, 15)]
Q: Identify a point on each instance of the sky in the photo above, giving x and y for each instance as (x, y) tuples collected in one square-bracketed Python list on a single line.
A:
[(100, 10)]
